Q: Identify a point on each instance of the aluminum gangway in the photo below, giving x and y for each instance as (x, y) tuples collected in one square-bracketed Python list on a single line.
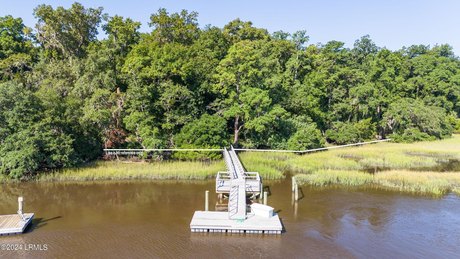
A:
[(237, 183), (236, 170)]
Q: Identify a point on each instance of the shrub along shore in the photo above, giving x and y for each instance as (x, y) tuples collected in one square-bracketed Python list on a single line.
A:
[(424, 167)]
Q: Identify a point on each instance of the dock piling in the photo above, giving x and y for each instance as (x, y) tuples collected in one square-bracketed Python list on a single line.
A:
[(296, 193), (206, 201), (20, 205), (295, 189), (265, 198)]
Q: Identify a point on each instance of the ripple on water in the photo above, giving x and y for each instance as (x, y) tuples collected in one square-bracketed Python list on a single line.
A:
[(142, 219)]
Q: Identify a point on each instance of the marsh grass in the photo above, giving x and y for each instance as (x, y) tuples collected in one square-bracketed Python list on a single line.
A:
[(389, 156), (418, 167), (432, 183), (115, 170), (456, 190), (419, 182), (270, 166), (425, 167), (332, 177)]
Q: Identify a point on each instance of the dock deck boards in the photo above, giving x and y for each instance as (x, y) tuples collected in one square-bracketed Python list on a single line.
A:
[(216, 221), (13, 224)]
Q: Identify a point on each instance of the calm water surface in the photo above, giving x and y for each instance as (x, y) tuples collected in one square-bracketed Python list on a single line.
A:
[(141, 219)]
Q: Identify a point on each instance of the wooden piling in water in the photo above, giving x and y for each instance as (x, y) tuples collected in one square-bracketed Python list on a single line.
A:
[(296, 193), (206, 201), (265, 198), (295, 189), (20, 205)]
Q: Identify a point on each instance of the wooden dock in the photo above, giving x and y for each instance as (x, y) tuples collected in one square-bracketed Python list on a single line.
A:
[(14, 224), (219, 222)]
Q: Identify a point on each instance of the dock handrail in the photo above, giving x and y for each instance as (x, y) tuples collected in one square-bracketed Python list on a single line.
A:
[(230, 164), (237, 163)]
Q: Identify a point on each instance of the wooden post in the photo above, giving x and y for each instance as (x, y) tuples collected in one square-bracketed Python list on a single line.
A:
[(296, 204), (261, 190), (20, 205), (296, 192), (206, 201), (293, 183), (265, 198)]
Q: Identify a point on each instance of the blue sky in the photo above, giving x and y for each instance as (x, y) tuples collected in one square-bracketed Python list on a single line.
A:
[(390, 23)]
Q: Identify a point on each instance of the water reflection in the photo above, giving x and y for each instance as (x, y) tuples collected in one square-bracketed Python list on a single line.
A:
[(151, 219)]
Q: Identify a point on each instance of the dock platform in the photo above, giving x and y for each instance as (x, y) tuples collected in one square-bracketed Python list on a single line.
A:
[(217, 221), (14, 224)]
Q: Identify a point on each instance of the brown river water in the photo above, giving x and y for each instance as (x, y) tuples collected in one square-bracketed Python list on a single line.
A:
[(144, 219)]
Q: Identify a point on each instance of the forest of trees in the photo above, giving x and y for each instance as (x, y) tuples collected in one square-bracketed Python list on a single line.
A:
[(65, 93)]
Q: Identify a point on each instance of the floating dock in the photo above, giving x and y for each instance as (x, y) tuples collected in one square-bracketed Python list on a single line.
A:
[(14, 224), (216, 221), (237, 185)]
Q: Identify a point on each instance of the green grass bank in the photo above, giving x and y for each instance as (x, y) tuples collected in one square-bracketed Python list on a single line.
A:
[(425, 167), (122, 170)]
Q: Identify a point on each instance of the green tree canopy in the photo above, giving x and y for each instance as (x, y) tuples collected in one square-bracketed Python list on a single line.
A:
[(408, 117), (67, 32)]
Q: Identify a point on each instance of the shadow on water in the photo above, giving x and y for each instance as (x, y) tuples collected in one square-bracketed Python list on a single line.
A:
[(38, 223), (151, 219), (283, 230), (302, 195)]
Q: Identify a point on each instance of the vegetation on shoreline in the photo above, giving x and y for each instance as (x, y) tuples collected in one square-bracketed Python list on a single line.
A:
[(118, 170), (431, 168), (269, 165), (66, 93), (160, 170), (421, 156), (422, 167), (434, 183)]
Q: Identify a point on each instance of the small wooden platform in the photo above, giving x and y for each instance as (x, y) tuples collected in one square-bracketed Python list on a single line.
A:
[(14, 224), (217, 221)]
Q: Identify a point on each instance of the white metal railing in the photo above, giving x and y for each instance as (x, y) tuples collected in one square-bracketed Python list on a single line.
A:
[(237, 163), (311, 150), (223, 182), (128, 151), (230, 164)]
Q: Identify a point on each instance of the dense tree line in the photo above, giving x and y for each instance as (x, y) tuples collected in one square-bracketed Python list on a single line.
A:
[(65, 94)]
